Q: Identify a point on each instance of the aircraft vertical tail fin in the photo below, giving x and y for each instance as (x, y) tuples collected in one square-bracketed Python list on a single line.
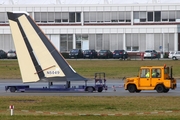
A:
[(37, 57)]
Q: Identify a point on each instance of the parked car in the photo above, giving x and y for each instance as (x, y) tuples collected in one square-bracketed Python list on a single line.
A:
[(90, 53), (122, 54), (11, 54), (3, 54), (150, 54), (76, 53), (176, 55), (170, 54), (105, 54)]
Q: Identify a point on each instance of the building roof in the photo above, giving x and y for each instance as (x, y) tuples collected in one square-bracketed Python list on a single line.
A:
[(86, 1)]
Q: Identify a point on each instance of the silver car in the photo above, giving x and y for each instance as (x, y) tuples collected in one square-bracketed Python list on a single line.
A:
[(176, 55), (170, 54), (150, 54), (11, 54)]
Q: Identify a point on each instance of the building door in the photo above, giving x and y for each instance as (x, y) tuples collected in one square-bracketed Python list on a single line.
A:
[(85, 44)]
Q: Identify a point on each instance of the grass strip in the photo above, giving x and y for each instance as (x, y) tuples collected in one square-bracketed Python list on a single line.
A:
[(114, 69), (91, 105)]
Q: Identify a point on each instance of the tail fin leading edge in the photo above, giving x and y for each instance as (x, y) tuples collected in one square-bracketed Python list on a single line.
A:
[(38, 58)]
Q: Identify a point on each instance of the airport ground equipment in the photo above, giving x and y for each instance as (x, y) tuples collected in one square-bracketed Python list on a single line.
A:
[(99, 86), (39, 60), (100, 81), (147, 80)]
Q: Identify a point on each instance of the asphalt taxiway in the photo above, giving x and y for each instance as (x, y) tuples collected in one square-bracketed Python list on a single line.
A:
[(117, 90)]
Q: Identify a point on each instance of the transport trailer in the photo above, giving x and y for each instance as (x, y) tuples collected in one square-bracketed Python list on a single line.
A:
[(56, 88), (99, 86), (53, 88), (13, 88)]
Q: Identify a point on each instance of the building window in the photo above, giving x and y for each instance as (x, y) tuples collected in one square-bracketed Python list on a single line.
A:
[(128, 48), (135, 48), (132, 48), (65, 17), (37, 16), (114, 16), (84, 36), (99, 38), (121, 17), (72, 17), (78, 17), (157, 16), (150, 16), (92, 41), (78, 44), (51, 17), (128, 16), (165, 15), (106, 16), (66, 42), (92, 16), (43, 17), (136, 15), (70, 42), (99, 16), (57, 17), (63, 42), (86, 17), (142, 16), (2, 17), (171, 16), (177, 16), (78, 40), (132, 42)]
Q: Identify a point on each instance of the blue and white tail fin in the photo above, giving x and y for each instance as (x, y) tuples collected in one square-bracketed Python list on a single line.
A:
[(37, 57)]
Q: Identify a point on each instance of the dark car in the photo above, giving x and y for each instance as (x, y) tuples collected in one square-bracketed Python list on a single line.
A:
[(90, 53), (11, 54), (105, 54), (3, 54), (76, 53), (122, 54)]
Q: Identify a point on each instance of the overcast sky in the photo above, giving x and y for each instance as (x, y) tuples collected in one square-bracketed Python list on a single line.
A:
[(85, 1)]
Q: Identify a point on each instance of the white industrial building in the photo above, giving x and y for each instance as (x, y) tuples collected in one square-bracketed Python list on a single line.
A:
[(133, 26)]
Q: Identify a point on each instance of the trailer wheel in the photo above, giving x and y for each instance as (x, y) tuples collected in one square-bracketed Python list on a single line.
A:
[(166, 90), (12, 89), (100, 89), (131, 88), (160, 88), (90, 89)]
